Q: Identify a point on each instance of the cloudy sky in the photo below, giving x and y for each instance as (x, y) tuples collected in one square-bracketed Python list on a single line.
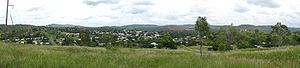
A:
[(161, 12)]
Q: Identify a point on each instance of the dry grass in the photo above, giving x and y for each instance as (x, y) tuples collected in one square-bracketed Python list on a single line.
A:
[(32, 56)]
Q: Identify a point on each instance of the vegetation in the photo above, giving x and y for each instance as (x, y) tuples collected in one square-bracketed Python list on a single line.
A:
[(168, 42), (32, 56), (202, 27), (233, 36), (113, 47), (281, 32)]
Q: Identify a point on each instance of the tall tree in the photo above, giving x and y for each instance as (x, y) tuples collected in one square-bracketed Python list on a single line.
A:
[(281, 32), (85, 38), (229, 34), (203, 28)]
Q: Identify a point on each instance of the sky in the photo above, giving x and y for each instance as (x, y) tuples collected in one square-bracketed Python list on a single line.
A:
[(95, 13)]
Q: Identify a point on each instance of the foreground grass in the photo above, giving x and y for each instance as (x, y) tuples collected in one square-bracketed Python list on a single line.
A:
[(32, 56)]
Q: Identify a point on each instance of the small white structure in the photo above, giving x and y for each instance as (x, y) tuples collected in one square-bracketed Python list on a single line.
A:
[(17, 39), (47, 43), (22, 42), (60, 43), (258, 46), (154, 44), (35, 42)]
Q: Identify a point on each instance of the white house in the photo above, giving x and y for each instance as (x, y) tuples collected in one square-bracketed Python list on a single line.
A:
[(22, 42), (35, 42), (154, 44), (47, 43)]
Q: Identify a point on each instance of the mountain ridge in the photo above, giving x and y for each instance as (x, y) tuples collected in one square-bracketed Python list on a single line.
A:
[(153, 27)]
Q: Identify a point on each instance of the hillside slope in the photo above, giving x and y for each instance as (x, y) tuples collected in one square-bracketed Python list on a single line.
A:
[(32, 56)]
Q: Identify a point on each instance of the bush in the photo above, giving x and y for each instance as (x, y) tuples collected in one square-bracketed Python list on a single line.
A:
[(243, 45), (168, 42), (112, 48), (67, 41), (220, 46)]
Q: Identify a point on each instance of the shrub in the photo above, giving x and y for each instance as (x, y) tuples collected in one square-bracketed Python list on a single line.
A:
[(168, 42), (220, 46), (243, 45), (112, 48)]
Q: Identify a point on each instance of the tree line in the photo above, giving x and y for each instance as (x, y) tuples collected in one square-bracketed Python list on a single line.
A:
[(228, 37)]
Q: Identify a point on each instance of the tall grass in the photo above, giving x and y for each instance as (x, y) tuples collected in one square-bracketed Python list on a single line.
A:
[(32, 56)]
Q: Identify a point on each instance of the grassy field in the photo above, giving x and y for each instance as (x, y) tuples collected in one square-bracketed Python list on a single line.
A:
[(33, 56)]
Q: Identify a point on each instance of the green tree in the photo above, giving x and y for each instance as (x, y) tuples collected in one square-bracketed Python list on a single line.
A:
[(107, 39), (281, 31), (220, 46), (203, 28), (85, 38), (257, 38), (230, 35), (68, 41), (168, 42), (297, 37)]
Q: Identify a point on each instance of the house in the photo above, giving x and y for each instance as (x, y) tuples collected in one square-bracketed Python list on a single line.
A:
[(22, 42), (154, 44), (17, 40), (47, 43), (35, 42), (71, 34), (60, 43)]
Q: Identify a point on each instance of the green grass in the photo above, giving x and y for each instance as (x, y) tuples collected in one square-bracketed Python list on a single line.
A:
[(33, 56)]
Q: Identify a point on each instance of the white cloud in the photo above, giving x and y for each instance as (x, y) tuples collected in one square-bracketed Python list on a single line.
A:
[(161, 12)]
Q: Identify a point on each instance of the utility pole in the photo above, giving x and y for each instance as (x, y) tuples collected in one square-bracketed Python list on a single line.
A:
[(6, 19)]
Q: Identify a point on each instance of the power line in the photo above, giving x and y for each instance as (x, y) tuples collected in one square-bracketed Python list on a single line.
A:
[(12, 21)]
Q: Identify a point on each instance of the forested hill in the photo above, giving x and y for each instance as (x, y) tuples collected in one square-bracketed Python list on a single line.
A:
[(264, 28), (151, 27), (63, 25)]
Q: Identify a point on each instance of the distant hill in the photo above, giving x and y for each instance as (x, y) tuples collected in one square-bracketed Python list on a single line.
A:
[(264, 28), (146, 27), (151, 27), (62, 25)]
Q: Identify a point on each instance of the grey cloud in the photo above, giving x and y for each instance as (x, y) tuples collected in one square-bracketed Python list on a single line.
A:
[(289, 15), (264, 3), (241, 9), (40, 17), (95, 3), (35, 9), (171, 17), (262, 12), (174, 17), (199, 9), (143, 3), (135, 10), (291, 19), (88, 18), (297, 13), (138, 11)]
